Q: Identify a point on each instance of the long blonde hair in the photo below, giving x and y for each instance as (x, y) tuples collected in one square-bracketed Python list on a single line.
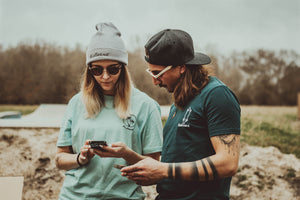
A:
[(93, 97)]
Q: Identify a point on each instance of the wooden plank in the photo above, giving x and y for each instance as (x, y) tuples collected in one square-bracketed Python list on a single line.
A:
[(11, 188)]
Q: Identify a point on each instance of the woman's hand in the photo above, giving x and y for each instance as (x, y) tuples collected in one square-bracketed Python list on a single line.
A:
[(117, 150), (86, 153)]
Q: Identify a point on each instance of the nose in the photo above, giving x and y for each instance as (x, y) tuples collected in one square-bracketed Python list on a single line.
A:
[(105, 74), (156, 81)]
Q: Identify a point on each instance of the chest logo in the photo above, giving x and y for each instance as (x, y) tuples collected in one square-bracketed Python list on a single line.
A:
[(185, 119), (129, 123)]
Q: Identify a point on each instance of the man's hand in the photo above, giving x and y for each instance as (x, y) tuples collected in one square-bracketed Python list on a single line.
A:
[(146, 172)]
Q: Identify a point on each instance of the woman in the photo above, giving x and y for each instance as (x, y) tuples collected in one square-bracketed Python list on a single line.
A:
[(107, 109)]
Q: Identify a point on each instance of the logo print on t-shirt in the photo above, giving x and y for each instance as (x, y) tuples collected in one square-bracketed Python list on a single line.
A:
[(129, 123), (185, 118)]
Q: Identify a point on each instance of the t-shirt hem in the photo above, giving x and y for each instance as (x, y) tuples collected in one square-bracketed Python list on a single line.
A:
[(152, 150), (63, 143), (226, 132)]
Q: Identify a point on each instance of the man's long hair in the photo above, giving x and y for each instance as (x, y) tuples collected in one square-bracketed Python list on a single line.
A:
[(93, 97), (192, 81)]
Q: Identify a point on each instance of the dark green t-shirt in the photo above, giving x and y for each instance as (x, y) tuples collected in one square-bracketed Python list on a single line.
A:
[(187, 133)]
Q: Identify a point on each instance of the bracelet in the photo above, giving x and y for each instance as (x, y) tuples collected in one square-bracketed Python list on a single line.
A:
[(80, 165)]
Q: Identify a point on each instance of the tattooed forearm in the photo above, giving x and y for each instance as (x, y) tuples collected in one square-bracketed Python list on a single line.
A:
[(187, 171), (195, 173), (205, 170), (213, 168), (170, 171), (178, 171)]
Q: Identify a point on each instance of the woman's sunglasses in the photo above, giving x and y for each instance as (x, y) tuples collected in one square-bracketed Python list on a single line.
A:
[(97, 70)]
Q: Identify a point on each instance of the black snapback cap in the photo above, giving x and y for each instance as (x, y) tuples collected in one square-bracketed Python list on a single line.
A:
[(173, 47)]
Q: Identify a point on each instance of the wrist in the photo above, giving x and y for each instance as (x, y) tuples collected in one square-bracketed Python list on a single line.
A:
[(79, 161), (167, 170), (130, 156)]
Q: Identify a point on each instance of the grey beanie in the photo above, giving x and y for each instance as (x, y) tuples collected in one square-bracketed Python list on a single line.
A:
[(106, 44)]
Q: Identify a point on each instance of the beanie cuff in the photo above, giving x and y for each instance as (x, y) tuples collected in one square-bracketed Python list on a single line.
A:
[(106, 54)]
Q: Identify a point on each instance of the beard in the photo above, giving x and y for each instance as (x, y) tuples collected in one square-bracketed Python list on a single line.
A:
[(165, 86)]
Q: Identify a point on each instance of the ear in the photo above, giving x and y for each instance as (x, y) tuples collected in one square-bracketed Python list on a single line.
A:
[(182, 69)]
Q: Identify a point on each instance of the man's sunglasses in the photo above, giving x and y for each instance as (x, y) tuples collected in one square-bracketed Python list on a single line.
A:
[(97, 70), (157, 74)]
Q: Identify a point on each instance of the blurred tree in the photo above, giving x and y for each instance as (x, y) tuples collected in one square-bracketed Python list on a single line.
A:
[(289, 84), (46, 73), (264, 70)]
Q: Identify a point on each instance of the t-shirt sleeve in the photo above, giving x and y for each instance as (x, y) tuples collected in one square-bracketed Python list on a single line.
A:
[(152, 132), (223, 112), (65, 136)]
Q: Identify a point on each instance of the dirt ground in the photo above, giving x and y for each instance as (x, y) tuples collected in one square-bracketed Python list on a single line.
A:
[(264, 173)]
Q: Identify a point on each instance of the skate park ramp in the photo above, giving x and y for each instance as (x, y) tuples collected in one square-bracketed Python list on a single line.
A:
[(45, 116), (48, 116)]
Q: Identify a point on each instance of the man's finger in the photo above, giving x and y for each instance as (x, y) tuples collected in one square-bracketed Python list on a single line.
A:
[(129, 169)]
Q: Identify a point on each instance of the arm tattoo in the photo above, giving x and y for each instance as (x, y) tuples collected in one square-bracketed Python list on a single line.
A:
[(178, 172), (227, 139), (195, 173), (170, 171), (213, 169), (205, 170)]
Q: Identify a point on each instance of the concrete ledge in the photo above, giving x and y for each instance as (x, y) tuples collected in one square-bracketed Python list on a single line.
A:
[(45, 116)]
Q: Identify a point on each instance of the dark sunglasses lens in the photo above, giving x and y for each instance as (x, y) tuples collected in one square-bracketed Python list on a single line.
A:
[(155, 72), (113, 70), (97, 71)]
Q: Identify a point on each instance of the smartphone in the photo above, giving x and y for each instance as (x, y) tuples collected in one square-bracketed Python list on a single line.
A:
[(97, 145)]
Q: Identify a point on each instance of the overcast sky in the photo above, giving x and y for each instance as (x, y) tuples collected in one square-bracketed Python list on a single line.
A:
[(225, 25)]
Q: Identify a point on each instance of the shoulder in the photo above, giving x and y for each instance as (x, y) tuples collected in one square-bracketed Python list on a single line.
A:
[(213, 83), (76, 98), (76, 101), (217, 90)]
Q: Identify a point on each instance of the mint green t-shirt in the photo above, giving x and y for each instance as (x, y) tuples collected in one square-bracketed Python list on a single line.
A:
[(142, 132)]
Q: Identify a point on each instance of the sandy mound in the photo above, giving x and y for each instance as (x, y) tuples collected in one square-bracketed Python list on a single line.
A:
[(264, 173)]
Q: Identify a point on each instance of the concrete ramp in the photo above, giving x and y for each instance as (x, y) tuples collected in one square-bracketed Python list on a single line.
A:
[(45, 116)]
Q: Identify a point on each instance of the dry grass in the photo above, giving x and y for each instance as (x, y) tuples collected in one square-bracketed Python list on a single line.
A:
[(24, 109), (271, 126)]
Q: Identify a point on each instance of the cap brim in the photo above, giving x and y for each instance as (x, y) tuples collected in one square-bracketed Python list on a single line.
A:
[(199, 59)]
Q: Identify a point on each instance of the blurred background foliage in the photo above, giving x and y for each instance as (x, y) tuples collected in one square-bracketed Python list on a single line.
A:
[(46, 73)]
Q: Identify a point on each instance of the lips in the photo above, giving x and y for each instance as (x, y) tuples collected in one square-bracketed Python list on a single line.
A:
[(105, 83)]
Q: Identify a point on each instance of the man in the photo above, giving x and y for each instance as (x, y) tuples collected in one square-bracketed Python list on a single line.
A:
[(202, 133)]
